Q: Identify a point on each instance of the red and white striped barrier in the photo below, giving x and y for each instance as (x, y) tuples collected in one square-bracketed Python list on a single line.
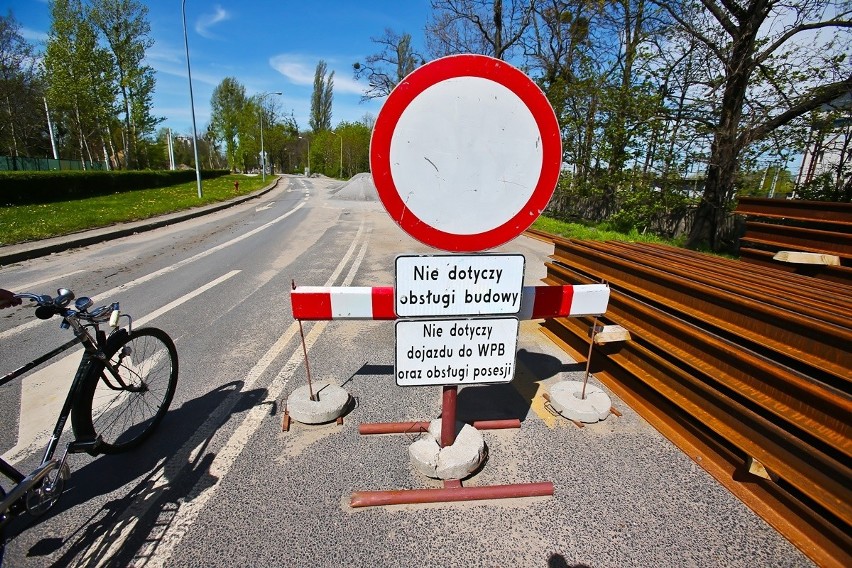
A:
[(377, 303)]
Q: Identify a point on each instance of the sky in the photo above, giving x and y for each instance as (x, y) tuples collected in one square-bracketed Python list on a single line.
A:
[(266, 45)]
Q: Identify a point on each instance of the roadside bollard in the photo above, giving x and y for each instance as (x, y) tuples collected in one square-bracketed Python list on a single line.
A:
[(236, 186)]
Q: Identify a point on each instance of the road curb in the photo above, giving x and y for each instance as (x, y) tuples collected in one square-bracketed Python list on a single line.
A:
[(28, 251)]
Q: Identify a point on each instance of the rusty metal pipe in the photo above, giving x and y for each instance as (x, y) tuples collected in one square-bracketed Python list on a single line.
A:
[(744, 277), (815, 535), (368, 428), (497, 424), (813, 211), (445, 495), (784, 332), (448, 416), (793, 294)]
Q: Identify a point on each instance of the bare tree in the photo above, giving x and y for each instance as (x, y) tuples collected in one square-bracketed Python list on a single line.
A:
[(478, 26), (384, 70)]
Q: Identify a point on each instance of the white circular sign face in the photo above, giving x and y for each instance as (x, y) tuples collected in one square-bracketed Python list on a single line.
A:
[(466, 153)]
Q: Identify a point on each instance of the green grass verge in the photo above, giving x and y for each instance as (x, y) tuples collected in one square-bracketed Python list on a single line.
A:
[(601, 232), (34, 222)]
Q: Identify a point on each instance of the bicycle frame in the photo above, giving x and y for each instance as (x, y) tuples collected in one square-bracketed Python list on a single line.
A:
[(94, 350)]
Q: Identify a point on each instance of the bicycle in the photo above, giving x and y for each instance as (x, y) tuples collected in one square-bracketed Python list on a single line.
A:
[(121, 391)]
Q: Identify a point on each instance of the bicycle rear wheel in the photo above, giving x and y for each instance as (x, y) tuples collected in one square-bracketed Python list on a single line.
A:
[(125, 410)]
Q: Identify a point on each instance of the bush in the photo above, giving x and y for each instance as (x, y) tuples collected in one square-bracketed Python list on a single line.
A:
[(33, 187)]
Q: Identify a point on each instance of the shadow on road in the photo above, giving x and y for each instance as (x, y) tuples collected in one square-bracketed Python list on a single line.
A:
[(511, 400), (175, 466)]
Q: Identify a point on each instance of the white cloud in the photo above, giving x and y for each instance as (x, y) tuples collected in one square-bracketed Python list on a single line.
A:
[(298, 72), (207, 21), (33, 35), (161, 53), (300, 69), (347, 84), (197, 76), (170, 60)]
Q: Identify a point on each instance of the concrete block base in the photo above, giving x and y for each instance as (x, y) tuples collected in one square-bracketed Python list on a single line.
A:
[(331, 403), (565, 398), (453, 462)]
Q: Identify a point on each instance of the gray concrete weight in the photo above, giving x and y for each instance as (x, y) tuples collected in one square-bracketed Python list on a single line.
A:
[(457, 461), (565, 398), (331, 403)]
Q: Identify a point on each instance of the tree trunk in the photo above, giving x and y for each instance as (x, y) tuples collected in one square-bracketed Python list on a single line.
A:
[(498, 29), (721, 173), (106, 153), (14, 147), (113, 158), (126, 136)]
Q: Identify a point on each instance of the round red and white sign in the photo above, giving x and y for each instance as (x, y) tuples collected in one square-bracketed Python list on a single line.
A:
[(466, 153)]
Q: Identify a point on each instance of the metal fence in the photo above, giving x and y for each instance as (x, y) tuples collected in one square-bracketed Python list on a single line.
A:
[(12, 163)]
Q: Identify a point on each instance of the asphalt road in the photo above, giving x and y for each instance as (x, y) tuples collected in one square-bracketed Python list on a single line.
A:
[(219, 484)]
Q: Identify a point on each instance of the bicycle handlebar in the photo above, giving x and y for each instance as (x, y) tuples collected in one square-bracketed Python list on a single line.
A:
[(49, 307)]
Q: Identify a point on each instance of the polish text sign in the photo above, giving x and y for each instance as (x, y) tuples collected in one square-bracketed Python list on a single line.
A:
[(465, 153), (453, 285), (451, 352)]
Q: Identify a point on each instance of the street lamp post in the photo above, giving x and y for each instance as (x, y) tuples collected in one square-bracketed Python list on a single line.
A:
[(191, 103), (309, 153), (262, 153)]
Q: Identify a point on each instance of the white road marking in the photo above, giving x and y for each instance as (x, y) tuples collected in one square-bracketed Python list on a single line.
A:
[(185, 298), (43, 391), (111, 293), (264, 207), (54, 279), (160, 549)]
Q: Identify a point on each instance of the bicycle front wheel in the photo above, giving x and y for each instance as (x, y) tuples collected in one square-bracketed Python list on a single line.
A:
[(124, 401)]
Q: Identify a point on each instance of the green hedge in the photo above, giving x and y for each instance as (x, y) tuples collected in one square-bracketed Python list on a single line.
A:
[(28, 187)]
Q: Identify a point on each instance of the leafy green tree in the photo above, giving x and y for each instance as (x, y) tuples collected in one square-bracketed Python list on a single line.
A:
[(79, 80), (355, 138), (824, 187), (248, 136), (125, 27), (560, 52), (323, 153), (228, 108), (321, 98), (761, 77), (591, 60), (826, 173), (629, 102), (281, 138), (22, 127)]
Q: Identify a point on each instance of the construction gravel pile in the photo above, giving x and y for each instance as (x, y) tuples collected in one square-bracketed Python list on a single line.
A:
[(359, 188)]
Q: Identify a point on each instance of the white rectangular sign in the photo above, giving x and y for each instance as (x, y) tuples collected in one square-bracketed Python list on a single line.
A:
[(459, 285), (451, 352)]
